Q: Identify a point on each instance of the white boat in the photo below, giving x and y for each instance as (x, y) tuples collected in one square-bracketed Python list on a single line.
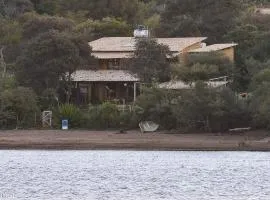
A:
[(148, 126)]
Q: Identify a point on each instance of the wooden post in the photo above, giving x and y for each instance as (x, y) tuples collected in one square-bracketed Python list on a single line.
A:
[(78, 101)]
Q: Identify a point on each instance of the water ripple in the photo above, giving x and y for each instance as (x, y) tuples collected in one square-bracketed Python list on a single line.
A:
[(134, 175)]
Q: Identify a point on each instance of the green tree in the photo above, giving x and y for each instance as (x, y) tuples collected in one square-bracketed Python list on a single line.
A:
[(14, 8), (157, 105), (198, 109), (150, 61), (18, 106), (33, 25), (209, 18), (260, 103), (45, 6), (107, 27), (210, 109), (251, 34), (50, 57), (10, 33), (131, 11), (203, 67)]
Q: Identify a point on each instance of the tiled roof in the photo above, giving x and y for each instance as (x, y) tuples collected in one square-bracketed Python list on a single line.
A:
[(214, 47), (177, 85), (120, 44), (115, 55), (112, 55), (103, 76)]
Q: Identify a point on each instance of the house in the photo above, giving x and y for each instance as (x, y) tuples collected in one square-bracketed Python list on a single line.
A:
[(112, 82), (225, 50)]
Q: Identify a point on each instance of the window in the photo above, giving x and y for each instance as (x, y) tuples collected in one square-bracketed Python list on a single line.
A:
[(114, 64)]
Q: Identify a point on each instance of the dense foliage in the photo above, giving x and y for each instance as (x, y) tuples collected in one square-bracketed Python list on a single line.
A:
[(42, 40), (150, 61)]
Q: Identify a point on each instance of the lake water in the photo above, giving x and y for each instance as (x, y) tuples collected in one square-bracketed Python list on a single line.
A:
[(134, 175)]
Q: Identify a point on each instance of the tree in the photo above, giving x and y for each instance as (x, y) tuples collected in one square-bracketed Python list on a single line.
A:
[(18, 107), (203, 67), (261, 50), (260, 78), (252, 51), (45, 6), (157, 105), (33, 25), (10, 33), (198, 109), (260, 102), (150, 61), (107, 27), (209, 109), (209, 18), (50, 57), (50, 51), (14, 8), (131, 11)]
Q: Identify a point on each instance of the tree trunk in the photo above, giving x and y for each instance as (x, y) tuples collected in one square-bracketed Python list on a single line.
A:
[(2, 4), (2, 62), (69, 85)]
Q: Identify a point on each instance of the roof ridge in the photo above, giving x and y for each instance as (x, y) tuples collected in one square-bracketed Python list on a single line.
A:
[(112, 44)]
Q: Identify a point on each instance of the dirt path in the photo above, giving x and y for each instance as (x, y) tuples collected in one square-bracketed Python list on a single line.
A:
[(56, 139)]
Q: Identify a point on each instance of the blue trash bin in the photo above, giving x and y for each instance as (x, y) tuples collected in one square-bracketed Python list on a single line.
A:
[(64, 124)]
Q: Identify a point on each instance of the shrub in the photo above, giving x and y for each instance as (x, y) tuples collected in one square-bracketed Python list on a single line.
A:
[(198, 109), (18, 108), (129, 120), (7, 119), (156, 105), (103, 116), (48, 99), (260, 106), (71, 113), (107, 116)]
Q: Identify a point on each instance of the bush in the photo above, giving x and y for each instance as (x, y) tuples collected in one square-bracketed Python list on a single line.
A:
[(48, 99), (198, 109), (129, 120), (156, 105), (7, 119), (199, 67), (107, 116), (70, 112), (102, 116), (260, 106), (209, 109), (18, 108)]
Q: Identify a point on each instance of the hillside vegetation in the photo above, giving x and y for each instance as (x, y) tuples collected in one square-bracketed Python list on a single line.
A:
[(42, 40)]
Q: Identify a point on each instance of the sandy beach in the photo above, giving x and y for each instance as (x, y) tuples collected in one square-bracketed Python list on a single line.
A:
[(73, 140)]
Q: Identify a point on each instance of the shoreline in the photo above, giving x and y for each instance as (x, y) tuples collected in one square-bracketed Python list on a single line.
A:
[(132, 140)]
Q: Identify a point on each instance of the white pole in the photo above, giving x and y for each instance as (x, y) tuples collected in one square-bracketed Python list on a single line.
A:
[(135, 85)]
